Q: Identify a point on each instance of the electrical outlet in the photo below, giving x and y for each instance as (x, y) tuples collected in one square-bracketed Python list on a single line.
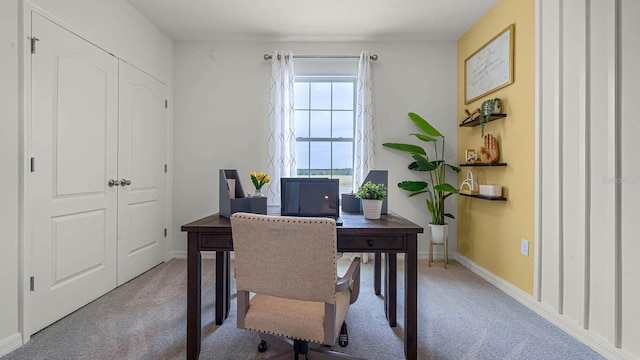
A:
[(524, 247)]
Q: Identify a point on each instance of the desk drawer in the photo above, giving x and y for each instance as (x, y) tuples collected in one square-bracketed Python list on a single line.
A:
[(371, 243), (216, 242)]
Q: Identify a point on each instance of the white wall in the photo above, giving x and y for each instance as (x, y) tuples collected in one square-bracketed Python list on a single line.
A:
[(112, 25), (9, 337), (221, 95), (588, 178), (118, 28)]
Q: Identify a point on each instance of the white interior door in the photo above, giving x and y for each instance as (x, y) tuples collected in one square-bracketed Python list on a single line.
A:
[(141, 166), (74, 149)]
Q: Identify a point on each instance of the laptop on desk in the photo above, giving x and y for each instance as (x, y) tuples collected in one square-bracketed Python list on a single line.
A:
[(311, 197)]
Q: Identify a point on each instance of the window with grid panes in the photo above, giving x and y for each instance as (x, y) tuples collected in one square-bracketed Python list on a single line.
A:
[(325, 127)]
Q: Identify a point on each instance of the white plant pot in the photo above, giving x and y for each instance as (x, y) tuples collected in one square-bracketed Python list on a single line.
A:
[(438, 233), (371, 208)]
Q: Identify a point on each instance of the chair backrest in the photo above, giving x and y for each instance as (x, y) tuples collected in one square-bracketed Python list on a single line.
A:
[(289, 257)]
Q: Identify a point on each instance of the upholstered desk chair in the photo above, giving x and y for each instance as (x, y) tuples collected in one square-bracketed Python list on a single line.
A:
[(289, 264)]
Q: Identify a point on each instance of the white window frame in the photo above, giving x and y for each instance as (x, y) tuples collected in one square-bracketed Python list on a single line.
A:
[(310, 139)]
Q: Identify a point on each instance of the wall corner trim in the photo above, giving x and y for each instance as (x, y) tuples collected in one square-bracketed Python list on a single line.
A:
[(599, 345)]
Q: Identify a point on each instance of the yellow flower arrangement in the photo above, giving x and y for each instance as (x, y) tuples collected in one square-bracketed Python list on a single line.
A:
[(259, 179)]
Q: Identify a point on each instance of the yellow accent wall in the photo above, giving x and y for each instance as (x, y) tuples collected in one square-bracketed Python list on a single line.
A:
[(489, 232)]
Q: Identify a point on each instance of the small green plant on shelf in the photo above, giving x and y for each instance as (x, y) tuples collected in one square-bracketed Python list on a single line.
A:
[(488, 107), (371, 191)]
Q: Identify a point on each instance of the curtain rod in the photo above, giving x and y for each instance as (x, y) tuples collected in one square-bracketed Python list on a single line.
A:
[(373, 57)]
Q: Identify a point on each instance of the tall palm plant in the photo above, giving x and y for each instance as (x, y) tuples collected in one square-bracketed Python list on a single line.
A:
[(439, 189)]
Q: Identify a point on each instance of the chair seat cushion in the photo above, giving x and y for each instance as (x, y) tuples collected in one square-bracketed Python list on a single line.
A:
[(294, 319)]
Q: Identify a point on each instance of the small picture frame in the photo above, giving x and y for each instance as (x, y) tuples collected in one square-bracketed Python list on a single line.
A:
[(470, 156)]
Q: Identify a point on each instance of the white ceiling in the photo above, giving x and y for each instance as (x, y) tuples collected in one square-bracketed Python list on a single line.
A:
[(313, 20)]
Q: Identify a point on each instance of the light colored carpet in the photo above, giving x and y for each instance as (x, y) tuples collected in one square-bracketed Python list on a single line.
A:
[(460, 316)]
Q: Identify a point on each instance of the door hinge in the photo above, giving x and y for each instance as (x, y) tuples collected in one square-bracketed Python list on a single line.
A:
[(33, 44), (165, 168), (165, 232), (33, 164), (32, 283), (166, 104)]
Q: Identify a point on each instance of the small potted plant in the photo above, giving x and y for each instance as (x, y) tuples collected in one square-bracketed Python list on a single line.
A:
[(372, 196), (434, 167), (488, 107)]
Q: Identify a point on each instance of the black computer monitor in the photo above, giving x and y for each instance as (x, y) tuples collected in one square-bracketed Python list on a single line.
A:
[(310, 197)]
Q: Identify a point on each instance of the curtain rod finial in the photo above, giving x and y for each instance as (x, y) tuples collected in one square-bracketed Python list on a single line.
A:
[(374, 57), (267, 57)]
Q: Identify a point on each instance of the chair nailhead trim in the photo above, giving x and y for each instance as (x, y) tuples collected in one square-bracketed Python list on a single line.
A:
[(281, 335), (280, 219)]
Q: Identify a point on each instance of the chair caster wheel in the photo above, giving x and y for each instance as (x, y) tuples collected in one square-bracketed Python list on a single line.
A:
[(262, 347), (343, 338)]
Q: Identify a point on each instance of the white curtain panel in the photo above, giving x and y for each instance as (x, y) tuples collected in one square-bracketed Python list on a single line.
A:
[(365, 151), (364, 154), (282, 135)]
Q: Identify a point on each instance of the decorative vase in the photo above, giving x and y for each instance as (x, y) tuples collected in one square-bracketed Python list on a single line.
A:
[(371, 208), (258, 193), (438, 233)]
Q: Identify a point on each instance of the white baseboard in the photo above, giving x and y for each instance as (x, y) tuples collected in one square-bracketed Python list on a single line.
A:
[(11, 343), (438, 254), (590, 339), (181, 254)]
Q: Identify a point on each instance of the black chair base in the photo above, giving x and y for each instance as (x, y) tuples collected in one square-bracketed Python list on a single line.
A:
[(286, 350)]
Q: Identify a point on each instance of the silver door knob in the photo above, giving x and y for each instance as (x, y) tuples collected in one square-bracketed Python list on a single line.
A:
[(124, 182), (113, 183)]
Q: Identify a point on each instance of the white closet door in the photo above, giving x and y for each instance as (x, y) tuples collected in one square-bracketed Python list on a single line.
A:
[(74, 146), (141, 161)]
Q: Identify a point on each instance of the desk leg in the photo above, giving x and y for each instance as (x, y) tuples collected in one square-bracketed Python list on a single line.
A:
[(194, 293), (222, 286), (228, 282), (377, 270), (391, 287), (411, 298)]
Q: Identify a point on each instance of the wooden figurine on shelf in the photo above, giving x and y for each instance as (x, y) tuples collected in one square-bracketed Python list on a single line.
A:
[(473, 115), (489, 153), (471, 185), (470, 116)]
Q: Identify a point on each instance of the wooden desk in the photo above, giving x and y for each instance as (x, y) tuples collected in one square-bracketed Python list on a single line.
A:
[(391, 234)]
